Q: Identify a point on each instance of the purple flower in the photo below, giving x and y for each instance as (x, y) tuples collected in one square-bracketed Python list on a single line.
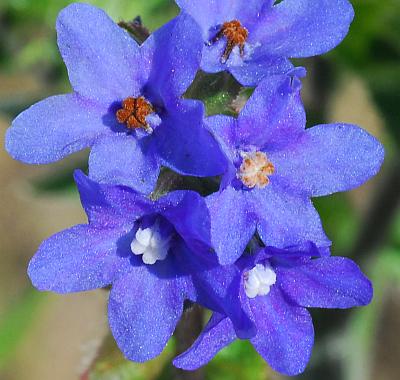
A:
[(126, 103), (275, 166), (276, 287), (254, 38), (137, 246)]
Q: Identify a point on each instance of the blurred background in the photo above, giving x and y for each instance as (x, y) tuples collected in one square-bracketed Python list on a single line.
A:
[(47, 336)]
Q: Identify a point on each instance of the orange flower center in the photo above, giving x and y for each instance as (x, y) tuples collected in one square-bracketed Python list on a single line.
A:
[(255, 169), (235, 34), (134, 112)]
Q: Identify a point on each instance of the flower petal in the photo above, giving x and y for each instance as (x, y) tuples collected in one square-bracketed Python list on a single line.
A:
[(217, 334), (188, 213), (250, 72), (220, 289), (274, 115), (103, 61), (54, 128), (331, 282), (174, 51), (108, 205), (121, 159), (232, 207), (329, 158), (303, 28), (285, 333), (185, 146), (209, 14), (285, 219), (144, 308), (80, 258)]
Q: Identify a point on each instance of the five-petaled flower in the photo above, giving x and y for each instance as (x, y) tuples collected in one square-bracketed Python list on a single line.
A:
[(137, 246), (255, 38), (126, 103), (276, 287), (275, 166)]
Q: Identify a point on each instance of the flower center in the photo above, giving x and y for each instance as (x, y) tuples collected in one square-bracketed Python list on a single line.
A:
[(255, 169), (151, 244), (235, 34), (134, 112), (258, 281)]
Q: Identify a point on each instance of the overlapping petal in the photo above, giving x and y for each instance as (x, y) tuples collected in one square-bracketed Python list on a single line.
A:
[(185, 146), (107, 205), (217, 334), (232, 207), (121, 159), (174, 54)]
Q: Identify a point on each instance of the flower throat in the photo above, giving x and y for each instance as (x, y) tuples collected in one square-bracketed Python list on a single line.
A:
[(134, 112), (235, 34)]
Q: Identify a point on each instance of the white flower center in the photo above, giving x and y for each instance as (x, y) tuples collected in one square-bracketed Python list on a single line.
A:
[(258, 281), (149, 243)]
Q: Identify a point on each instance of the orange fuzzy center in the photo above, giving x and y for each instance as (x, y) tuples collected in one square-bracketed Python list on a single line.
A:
[(134, 112), (235, 34)]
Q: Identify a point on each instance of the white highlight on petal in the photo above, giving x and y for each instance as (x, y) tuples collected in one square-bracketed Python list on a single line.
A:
[(258, 281), (149, 243)]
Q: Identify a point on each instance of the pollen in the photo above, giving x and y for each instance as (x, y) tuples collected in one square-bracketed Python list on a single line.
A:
[(134, 112), (255, 170), (236, 35)]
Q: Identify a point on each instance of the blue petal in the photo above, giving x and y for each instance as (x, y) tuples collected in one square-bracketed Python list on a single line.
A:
[(54, 128), (274, 115), (80, 258), (217, 334), (220, 289), (232, 207), (285, 333), (103, 61), (122, 159), (209, 14), (329, 158), (185, 146), (174, 51), (189, 214), (285, 219), (108, 205), (331, 282), (303, 28), (250, 72), (144, 309)]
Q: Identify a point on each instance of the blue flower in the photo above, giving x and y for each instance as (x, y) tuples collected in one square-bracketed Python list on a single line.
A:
[(137, 246), (275, 166), (254, 38), (126, 103), (276, 287)]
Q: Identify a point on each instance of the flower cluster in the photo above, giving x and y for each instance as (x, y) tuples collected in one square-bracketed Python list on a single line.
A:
[(254, 252)]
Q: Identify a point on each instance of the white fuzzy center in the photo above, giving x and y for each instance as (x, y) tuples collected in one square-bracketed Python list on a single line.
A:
[(258, 281), (150, 244)]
